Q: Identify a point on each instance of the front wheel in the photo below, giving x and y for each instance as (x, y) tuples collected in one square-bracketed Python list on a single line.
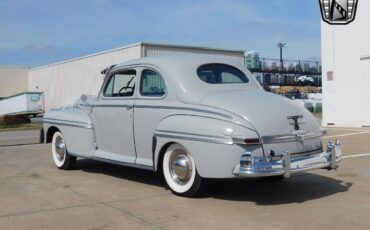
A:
[(180, 172), (62, 159)]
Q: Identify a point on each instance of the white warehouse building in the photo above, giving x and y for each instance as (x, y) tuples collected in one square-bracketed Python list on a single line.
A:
[(346, 71), (64, 82)]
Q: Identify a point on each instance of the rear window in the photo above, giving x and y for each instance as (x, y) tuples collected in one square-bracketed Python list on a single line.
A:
[(221, 74)]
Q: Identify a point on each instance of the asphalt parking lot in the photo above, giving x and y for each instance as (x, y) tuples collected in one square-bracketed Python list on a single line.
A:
[(36, 195)]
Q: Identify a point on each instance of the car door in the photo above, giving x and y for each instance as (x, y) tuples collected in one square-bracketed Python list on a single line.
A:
[(112, 115), (151, 96)]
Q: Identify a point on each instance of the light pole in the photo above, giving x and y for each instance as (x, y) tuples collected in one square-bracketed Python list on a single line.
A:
[(281, 46)]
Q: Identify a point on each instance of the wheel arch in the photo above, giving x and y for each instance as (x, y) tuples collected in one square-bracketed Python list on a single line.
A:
[(158, 161), (50, 132)]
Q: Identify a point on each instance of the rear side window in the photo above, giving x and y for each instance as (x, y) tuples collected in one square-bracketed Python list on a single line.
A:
[(152, 84), (221, 74)]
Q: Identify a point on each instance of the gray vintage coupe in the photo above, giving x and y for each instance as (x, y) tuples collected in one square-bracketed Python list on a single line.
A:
[(191, 117)]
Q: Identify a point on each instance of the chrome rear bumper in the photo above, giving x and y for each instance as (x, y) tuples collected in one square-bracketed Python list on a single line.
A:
[(262, 167)]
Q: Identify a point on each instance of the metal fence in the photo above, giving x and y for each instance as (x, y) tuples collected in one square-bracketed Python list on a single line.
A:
[(268, 65)]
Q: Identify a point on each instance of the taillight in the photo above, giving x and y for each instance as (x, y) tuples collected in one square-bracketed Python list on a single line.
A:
[(252, 141), (247, 141)]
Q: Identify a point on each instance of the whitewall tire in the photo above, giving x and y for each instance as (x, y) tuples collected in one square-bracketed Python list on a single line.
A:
[(180, 172), (62, 159)]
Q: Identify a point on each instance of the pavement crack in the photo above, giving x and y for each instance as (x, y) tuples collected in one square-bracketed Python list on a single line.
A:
[(128, 212), (47, 210)]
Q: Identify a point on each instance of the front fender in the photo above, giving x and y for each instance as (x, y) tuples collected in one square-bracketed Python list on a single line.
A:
[(76, 127), (72, 115)]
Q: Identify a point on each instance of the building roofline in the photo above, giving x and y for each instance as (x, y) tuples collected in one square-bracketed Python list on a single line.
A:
[(14, 67), (133, 45), (86, 56), (251, 51), (191, 47)]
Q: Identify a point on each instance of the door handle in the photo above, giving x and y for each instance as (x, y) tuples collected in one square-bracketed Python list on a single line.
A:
[(129, 107)]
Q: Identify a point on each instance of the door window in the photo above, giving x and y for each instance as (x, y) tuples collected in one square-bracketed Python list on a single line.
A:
[(121, 84)]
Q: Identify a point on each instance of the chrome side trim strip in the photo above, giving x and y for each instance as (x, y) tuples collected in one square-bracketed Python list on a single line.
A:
[(52, 119), (85, 125), (287, 138), (165, 107), (123, 163), (112, 106), (184, 108), (185, 133), (220, 141)]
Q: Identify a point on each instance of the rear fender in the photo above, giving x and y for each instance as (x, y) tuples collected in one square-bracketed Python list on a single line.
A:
[(208, 140)]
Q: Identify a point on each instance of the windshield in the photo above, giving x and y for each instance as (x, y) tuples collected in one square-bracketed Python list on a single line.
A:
[(221, 74)]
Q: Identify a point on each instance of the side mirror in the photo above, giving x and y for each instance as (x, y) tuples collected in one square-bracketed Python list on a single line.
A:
[(83, 98)]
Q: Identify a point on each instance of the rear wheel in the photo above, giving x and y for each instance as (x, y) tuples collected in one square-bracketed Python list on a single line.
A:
[(62, 159), (180, 172)]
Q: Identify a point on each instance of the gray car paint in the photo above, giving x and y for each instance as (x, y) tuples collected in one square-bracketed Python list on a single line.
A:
[(192, 113)]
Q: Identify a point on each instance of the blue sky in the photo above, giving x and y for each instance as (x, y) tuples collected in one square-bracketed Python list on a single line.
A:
[(39, 32)]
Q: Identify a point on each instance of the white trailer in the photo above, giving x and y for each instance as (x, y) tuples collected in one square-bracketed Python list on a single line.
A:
[(28, 103)]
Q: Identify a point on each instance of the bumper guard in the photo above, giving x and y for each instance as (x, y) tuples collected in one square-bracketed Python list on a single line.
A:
[(262, 167)]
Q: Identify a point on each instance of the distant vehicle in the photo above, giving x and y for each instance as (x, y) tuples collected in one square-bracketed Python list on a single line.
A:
[(191, 117), (305, 79)]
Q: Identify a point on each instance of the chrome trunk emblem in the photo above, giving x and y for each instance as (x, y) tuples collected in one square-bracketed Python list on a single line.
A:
[(300, 136)]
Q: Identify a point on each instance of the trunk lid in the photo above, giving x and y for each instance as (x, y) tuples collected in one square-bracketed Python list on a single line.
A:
[(281, 124)]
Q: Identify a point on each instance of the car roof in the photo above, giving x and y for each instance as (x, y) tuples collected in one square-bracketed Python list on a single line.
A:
[(181, 74)]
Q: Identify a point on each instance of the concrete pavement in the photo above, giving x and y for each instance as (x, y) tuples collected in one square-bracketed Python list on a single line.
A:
[(22, 137), (36, 195)]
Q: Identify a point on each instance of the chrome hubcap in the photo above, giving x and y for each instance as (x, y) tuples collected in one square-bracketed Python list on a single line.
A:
[(60, 148), (180, 168)]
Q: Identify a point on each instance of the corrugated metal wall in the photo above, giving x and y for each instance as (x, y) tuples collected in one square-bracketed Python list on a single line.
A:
[(63, 83), (154, 50)]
